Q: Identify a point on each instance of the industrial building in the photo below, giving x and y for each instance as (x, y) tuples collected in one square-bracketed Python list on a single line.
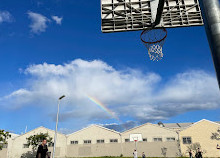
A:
[(158, 140)]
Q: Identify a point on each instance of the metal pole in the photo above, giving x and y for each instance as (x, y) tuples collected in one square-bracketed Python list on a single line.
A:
[(55, 136), (136, 146), (121, 144), (211, 16)]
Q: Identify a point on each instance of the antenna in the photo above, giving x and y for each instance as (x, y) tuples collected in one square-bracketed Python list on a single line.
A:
[(25, 129)]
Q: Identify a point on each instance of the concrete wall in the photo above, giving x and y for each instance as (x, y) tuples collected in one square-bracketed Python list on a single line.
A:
[(17, 148), (94, 150), (201, 132), (150, 131), (5, 151), (151, 149), (93, 133)]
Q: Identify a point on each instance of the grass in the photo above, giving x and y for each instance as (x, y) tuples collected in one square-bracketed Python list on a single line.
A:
[(121, 157)]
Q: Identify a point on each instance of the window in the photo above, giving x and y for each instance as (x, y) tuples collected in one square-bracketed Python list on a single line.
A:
[(170, 139), (25, 146), (144, 139), (113, 140), (127, 140), (87, 141), (187, 140), (4, 145), (50, 144), (74, 142), (158, 139), (101, 141)]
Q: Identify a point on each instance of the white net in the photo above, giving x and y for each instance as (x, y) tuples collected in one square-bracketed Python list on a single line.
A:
[(155, 52), (153, 40)]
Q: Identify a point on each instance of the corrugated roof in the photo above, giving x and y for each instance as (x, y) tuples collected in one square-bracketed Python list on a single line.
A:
[(171, 125), (183, 125), (177, 125)]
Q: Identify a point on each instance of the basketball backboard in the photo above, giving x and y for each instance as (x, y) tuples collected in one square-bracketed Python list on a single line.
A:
[(131, 15), (147, 15), (136, 137)]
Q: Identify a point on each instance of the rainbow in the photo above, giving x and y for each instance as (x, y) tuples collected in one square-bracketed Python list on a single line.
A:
[(104, 108)]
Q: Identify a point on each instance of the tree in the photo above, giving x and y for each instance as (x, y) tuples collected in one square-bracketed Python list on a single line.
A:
[(193, 147), (35, 140), (216, 135), (3, 138), (164, 151)]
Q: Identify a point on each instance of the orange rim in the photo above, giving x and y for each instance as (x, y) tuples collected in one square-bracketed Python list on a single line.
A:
[(155, 41)]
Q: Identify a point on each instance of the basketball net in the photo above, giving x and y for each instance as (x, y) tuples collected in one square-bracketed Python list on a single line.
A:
[(154, 39)]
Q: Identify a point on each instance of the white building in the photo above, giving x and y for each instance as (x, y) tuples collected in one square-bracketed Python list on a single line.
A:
[(18, 147), (159, 140)]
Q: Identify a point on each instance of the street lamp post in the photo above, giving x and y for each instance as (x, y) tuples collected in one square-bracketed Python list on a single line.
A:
[(121, 145), (55, 136)]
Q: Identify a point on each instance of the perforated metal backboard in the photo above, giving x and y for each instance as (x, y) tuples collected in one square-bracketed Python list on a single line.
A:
[(130, 15)]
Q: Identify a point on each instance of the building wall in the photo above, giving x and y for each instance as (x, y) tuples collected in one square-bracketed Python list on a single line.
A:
[(17, 148), (201, 132), (94, 149), (5, 151), (151, 149), (150, 131)]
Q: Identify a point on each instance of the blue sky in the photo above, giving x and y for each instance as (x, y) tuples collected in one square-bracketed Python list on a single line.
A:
[(42, 59)]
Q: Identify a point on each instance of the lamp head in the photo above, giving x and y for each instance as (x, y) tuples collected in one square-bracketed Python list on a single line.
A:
[(61, 97)]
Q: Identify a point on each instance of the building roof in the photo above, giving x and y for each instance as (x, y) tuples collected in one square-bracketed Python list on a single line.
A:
[(38, 128), (168, 126), (94, 125), (177, 125), (202, 121), (148, 124), (184, 125), (171, 125)]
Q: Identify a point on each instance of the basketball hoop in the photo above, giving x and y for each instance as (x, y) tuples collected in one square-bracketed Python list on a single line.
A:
[(153, 39)]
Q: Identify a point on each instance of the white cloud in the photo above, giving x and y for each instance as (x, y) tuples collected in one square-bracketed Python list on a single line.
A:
[(5, 16), (38, 22), (128, 92), (57, 19)]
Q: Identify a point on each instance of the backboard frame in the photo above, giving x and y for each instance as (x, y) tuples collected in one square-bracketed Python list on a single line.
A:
[(135, 135)]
